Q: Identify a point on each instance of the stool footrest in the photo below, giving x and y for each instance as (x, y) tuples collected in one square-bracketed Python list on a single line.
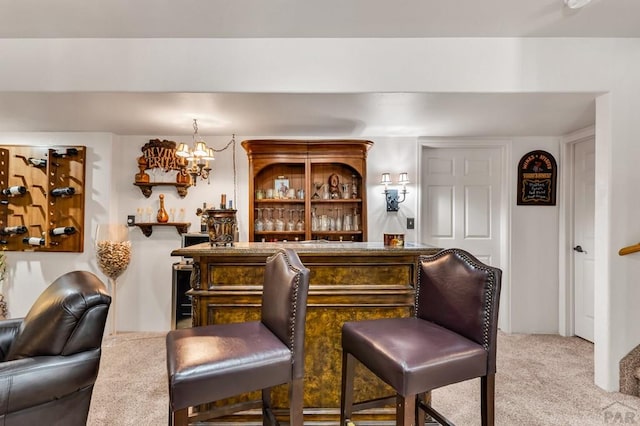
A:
[(224, 411), (374, 403)]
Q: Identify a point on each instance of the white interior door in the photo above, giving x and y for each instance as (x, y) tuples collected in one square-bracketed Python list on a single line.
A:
[(461, 191), (583, 243)]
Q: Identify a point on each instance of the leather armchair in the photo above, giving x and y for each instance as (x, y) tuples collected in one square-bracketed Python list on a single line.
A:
[(49, 359)]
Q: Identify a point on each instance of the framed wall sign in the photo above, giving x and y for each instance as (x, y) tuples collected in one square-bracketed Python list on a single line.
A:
[(537, 173)]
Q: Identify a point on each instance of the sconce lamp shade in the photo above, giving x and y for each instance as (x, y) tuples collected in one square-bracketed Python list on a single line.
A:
[(386, 179), (404, 178)]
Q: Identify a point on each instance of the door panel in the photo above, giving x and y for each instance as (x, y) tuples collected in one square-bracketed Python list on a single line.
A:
[(583, 231), (461, 189)]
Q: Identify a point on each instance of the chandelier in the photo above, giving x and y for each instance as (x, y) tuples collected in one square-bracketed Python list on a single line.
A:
[(198, 156)]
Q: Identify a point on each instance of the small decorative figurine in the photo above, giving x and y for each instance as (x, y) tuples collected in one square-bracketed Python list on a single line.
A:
[(334, 186)]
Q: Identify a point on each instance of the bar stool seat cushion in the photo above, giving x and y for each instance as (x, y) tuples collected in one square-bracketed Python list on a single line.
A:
[(214, 362), (408, 353)]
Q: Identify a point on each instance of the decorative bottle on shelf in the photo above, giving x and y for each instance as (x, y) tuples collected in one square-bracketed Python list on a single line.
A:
[(11, 230), (37, 162), (65, 190), (203, 218), (63, 230), (163, 216), (69, 152), (14, 190), (33, 241)]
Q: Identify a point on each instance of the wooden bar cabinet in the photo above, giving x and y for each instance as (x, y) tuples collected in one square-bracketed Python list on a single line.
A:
[(349, 281), (314, 188)]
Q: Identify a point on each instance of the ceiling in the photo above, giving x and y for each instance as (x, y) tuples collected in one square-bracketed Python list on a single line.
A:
[(281, 114), (326, 18)]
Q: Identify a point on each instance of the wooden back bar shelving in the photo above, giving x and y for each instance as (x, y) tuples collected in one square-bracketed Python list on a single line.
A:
[(38, 209), (305, 164)]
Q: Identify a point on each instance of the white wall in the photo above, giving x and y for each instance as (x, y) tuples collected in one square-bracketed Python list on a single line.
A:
[(386, 65), (534, 251)]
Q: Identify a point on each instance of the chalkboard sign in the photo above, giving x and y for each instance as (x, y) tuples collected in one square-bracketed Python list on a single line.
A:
[(537, 172)]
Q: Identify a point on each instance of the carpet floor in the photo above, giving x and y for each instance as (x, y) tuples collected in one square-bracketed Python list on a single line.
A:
[(541, 380)]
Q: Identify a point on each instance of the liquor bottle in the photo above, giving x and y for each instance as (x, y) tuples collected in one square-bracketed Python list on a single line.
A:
[(33, 241), (63, 230), (69, 152), (37, 162), (65, 190), (10, 230), (203, 218), (14, 190)]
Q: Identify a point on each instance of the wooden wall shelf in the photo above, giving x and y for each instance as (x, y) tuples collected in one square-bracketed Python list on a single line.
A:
[(147, 228), (147, 188)]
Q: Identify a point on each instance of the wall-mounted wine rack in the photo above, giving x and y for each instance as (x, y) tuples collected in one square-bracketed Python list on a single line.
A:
[(42, 198)]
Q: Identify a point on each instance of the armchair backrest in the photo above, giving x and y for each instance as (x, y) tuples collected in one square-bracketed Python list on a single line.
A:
[(67, 318), (460, 293), (284, 302)]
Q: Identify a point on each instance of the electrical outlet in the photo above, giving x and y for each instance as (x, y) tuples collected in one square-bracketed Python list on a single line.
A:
[(410, 223)]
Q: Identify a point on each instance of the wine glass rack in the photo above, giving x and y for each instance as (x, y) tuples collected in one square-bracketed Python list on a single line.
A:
[(42, 191)]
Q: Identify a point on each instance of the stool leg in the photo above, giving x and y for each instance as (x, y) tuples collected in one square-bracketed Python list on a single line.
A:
[(181, 417), (420, 414), (406, 410), (487, 399), (346, 393), (296, 409)]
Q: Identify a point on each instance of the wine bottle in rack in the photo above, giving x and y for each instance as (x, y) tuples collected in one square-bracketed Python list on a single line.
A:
[(4, 202), (69, 152), (63, 230), (33, 241), (11, 230), (4, 242), (14, 190), (65, 190), (37, 162)]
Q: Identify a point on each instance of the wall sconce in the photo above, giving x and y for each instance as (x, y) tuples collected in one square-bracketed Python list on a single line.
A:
[(392, 195)]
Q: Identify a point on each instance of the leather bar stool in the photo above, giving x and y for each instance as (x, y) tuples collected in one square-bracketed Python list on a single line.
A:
[(450, 338), (214, 362)]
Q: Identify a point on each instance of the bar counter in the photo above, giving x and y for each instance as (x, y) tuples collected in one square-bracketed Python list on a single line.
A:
[(349, 281)]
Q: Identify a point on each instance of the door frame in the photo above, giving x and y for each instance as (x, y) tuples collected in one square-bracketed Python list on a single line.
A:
[(566, 291), (508, 175)]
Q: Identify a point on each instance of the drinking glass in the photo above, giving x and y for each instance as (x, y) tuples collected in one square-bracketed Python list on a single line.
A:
[(300, 222), (258, 225), (291, 224), (113, 253), (279, 223), (268, 221)]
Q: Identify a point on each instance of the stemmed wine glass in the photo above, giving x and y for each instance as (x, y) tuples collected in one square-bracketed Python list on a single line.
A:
[(300, 222), (113, 253), (259, 223), (291, 224)]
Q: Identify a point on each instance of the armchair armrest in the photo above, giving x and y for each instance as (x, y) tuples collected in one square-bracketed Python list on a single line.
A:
[(29, 382), (8, 330)]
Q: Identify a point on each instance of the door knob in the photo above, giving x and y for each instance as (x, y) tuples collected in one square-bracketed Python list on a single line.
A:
[(579, 249)]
